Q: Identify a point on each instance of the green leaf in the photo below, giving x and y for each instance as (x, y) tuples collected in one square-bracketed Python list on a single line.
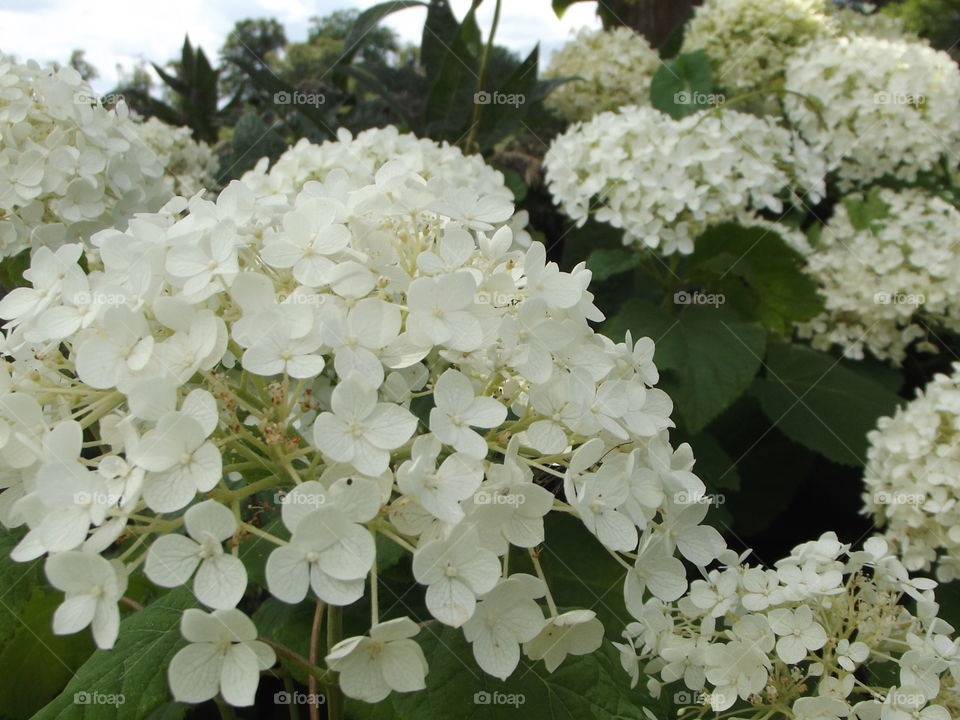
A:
[(252, 140), (863, 210), (760, 276), (587, 686), (560, 6), (439, 32), (134, 669), (289, 625), (450, 101), (683, 85), (499, 119), (36, 663), (711, 355), (367, 21), (605, 263), (822, 403)]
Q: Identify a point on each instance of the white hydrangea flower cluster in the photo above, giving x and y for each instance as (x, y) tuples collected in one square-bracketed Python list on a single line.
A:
[(872, 24), (664, 181), (911, 477), (788, 641), (879, 107), (191, 166), (372, 348), (68, 166), (877, 278), (613, 68), (749, 42)]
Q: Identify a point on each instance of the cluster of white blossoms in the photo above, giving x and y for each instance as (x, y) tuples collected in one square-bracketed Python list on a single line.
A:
[(68, 166), (612, 68), (191, 166), (886, 279), (369, 343), (792, 641), (749, 42), (912, 483), (872, 24), (665, 181), (875, 107)]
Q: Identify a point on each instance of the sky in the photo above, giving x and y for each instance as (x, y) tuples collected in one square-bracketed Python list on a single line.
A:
[(123, 31)]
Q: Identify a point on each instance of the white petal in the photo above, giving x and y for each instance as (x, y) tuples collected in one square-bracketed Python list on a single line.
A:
[(194, 673), (220, 582), (171, 560)]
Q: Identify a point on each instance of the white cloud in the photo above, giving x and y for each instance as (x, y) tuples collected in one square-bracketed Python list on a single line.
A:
[(121, 31)]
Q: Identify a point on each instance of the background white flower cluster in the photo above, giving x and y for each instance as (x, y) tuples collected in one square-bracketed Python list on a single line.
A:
[(874, 107), (191, 166), (911, 477), (886, 280), (610, 69), (665, 181)]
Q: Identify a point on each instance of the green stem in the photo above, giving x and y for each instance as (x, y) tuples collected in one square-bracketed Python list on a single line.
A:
[(334, 635), (482, 79), (226, 712)]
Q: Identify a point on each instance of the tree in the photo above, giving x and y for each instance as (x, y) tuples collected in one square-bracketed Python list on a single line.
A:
[(260, 41), (79, 62)]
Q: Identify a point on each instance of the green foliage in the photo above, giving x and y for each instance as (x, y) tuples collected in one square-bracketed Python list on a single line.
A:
[(135, 668), (682, 85), (36, 663), (821, 402), (709, 356), (585, 687), (760, 276), (864, 210)]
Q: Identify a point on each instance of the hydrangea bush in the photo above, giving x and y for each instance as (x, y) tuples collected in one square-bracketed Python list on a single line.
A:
[(888, 270), (373, 351), (665, 181), (611, 68), (68, 166)]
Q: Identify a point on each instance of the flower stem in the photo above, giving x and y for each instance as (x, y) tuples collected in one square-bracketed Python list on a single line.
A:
[(334, 635), (312, 681)]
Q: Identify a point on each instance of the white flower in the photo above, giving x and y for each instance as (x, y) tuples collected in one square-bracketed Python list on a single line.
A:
[(455, 570), (276, 352), (440, 311), (577, 632), (180, 462), (370, 667), (750, 41), (611, 68), (665, 181), (329, 552), (92, 586), (798, 633), (504, 619), (311, 235), (439, 489), (458, 409), (223, 655), (190, 166), (879, 104), (172, 559), (361, 431)]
